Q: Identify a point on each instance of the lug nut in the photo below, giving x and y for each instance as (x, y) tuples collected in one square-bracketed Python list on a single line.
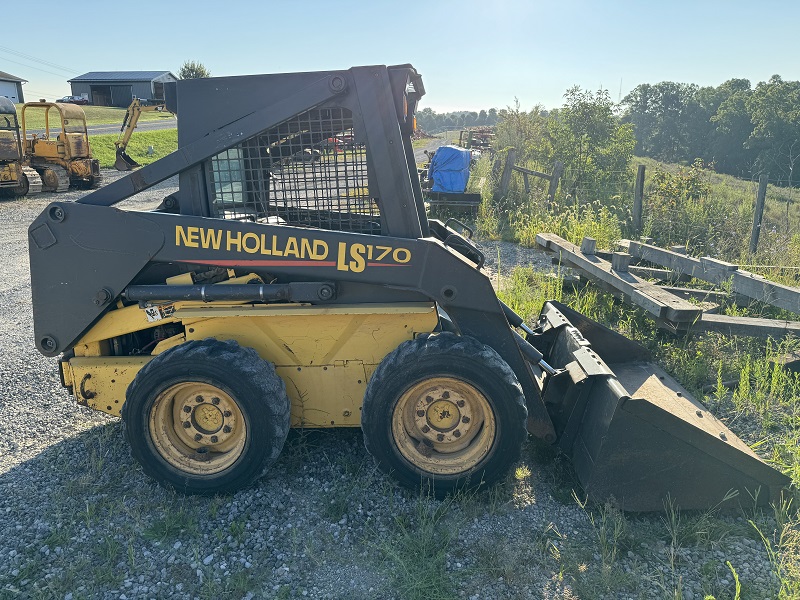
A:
[(428, 399), (420, 413), (465, 419), (197, 437), (226, 429), (457, 433), (425, 429), (214, 439), (440, 437), (198, 399), (187, 409), (460, 403), (227, 413), (445, 395), (186, 424), (215, 401)]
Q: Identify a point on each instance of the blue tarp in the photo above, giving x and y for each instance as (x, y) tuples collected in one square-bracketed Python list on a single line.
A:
[(450, 170)]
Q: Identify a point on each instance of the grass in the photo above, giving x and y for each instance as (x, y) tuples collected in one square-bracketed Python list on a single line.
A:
[(95, 115), (163, 142)]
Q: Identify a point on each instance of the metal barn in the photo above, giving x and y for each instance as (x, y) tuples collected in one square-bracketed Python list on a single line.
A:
[(118, 88), (11, 87)]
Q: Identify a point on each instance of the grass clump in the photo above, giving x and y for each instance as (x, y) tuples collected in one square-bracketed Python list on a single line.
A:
[(163, 141), (416, 552)]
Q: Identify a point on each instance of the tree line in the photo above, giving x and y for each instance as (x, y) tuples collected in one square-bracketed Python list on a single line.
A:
[(741, 129), (432, 122)]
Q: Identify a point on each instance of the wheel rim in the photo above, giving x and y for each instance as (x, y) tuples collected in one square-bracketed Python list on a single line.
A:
[(443, 425), (197, 428)]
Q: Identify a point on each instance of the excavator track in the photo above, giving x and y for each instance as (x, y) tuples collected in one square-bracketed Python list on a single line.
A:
[(34, 181), (54, 179)]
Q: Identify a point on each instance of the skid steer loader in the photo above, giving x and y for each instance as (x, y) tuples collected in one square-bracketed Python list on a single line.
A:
[(270, 293), (15, 178)]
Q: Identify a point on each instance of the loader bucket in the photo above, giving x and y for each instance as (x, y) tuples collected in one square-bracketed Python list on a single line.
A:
[(634, 434), (125, 162)]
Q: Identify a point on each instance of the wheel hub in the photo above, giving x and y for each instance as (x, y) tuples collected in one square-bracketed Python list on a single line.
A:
[(207, 418), (442, 423), (197, 427)]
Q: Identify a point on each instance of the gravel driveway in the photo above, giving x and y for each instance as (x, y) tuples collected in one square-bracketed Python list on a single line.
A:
[(78, 518)]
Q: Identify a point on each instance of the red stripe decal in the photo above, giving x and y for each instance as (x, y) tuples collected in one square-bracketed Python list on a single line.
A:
[(263, 263)]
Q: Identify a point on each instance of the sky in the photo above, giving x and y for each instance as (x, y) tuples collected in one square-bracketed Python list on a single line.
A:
[(471, 55)]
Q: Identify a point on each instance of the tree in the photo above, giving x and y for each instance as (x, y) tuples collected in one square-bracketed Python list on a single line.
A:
[(728, 148), (193, 70), (669, 121), (587, 137), (774, 108), (525, 131)]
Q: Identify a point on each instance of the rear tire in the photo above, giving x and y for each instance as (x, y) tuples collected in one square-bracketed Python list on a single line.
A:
[(444, 411), (206, 417)]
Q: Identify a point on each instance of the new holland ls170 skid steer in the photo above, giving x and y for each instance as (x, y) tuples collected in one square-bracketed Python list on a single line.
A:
[(271, 292)]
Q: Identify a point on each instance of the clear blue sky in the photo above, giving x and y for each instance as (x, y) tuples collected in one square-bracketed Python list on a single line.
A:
[(471, 54)]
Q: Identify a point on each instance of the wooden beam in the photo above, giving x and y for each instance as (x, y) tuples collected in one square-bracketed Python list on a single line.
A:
[(718, 272), (650, 297), (505, 178), (525, 171), (707, 269), (695, 294), (747, 326), (758, 212), (638, 195), (558, 173)]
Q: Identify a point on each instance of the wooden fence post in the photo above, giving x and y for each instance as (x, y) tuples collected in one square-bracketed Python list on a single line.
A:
[(508, 168), (759, 212), (638, 194), (558, 172)]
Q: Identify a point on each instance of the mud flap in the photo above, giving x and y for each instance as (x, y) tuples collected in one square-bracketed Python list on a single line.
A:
[(634, 434)]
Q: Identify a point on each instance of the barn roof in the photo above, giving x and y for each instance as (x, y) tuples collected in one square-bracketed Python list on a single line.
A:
[(120, 76), (9, 77)]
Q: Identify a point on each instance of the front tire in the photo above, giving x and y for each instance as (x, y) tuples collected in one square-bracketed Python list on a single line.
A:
[(444, 411), (206, 417)]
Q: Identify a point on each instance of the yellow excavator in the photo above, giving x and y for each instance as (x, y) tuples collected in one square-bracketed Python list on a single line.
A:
[(124, 162)]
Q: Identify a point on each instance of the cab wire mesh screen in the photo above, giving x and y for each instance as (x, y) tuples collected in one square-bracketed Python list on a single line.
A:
[(307, 171)]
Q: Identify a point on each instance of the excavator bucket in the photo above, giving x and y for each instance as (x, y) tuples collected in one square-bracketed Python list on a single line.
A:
[(634, 434), (125, 162)]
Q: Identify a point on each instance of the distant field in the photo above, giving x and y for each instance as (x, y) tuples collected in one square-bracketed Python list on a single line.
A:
[(163, 141), (95, 115)]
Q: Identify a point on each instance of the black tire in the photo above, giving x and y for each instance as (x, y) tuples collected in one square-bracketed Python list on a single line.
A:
[(466, 396), (206, 417)]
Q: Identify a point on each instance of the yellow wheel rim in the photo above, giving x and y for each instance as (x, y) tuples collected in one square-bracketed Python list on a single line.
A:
[(197, 428), (444, 426)]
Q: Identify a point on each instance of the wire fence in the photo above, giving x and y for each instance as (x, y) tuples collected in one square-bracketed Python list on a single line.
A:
[(717, 222)]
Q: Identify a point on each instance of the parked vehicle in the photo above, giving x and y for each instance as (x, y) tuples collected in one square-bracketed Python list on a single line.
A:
[(73, 100)]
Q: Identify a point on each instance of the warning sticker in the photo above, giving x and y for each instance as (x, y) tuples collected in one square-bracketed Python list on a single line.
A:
[(157, 313)]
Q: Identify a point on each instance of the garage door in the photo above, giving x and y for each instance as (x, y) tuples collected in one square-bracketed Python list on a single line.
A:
[(9, 90)]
